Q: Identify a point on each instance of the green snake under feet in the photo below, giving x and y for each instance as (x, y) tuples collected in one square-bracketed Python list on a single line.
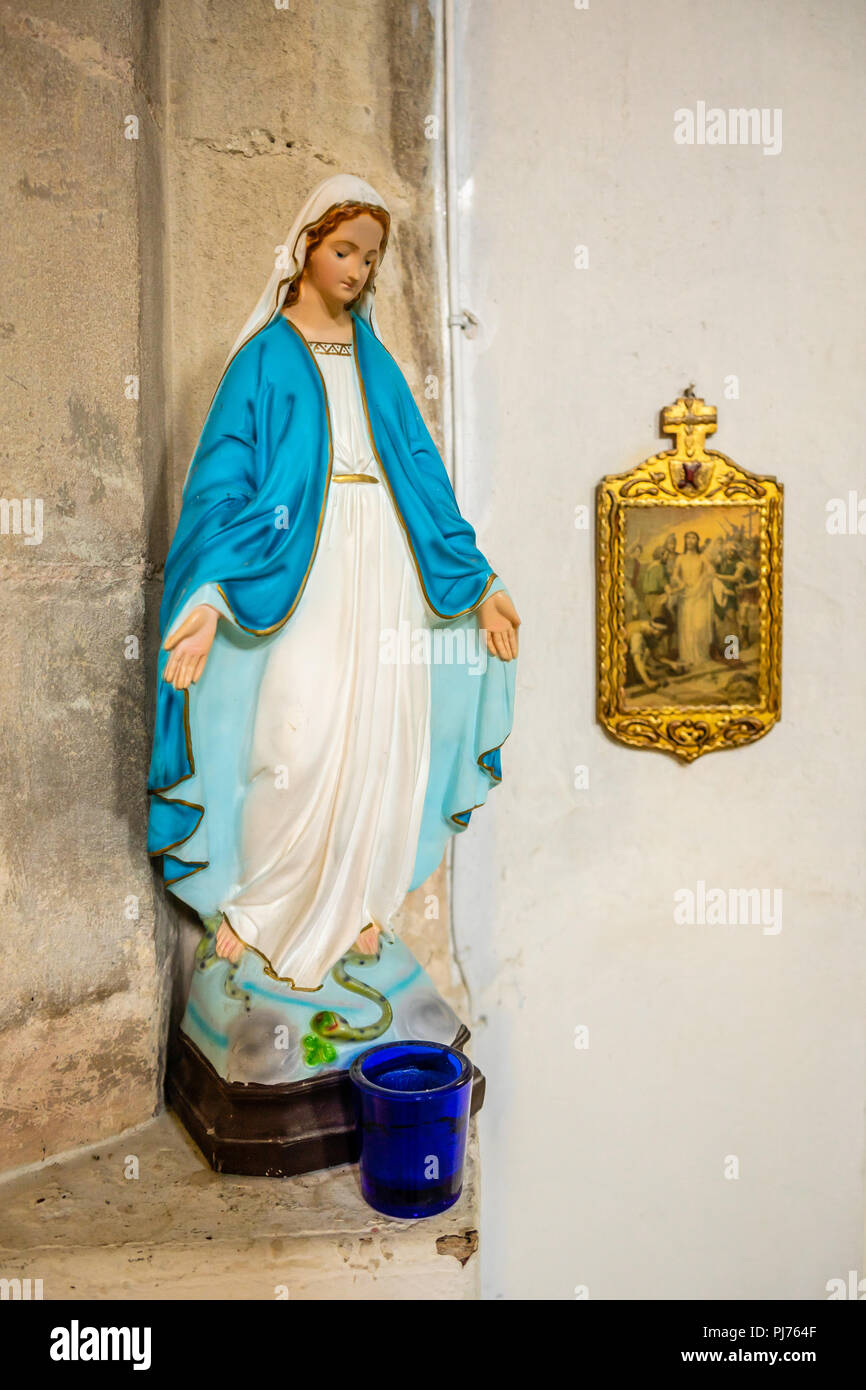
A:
[(326, 1024)]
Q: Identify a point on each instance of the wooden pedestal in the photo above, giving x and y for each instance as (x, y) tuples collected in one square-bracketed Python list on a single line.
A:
[(271, 1131)]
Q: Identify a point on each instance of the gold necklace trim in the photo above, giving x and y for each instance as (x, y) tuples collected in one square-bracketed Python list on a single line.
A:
[(328, 349)]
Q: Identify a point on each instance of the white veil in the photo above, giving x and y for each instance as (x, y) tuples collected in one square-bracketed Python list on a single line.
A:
[(340, 188)]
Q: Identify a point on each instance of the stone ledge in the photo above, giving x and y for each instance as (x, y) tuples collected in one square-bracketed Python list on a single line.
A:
[(181, 1231)]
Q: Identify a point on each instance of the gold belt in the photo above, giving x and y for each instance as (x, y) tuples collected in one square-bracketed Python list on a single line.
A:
[(353, 478)]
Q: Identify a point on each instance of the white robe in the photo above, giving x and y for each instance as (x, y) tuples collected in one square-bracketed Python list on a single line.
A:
[(341, 743), (694, 574)]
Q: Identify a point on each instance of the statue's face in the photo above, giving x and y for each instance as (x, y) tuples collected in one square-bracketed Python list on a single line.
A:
[(341, 266)]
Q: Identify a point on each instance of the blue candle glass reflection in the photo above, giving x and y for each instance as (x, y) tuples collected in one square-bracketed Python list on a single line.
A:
[(412, 1103)]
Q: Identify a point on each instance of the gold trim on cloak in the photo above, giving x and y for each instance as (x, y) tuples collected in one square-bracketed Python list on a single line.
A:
[(330, 349), (455, 815), (264, 631), (399, 514)]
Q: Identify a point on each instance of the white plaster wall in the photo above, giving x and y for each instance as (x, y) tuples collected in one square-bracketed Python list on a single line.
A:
[(605, 1167)]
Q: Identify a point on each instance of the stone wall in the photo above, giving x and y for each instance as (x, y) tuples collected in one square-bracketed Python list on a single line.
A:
[(82, 1015)]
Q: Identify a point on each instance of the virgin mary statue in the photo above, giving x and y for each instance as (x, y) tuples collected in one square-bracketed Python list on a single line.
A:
[(308, 764)]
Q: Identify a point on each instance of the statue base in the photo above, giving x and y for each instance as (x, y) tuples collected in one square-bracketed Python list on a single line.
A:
[(271, 1131), (258, 1073)]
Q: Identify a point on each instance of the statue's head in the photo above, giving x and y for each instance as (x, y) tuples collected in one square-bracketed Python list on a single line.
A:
[(343, 251)]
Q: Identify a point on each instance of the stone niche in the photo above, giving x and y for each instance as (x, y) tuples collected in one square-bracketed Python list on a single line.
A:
[(143, 198)]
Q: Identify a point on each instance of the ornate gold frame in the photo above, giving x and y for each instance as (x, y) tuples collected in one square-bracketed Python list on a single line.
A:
[(711, 479)]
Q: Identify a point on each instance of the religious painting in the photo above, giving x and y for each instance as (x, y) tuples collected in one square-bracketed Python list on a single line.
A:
[(689, 595)]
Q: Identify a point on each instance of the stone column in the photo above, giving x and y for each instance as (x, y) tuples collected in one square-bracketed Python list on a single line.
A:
[(85, 937)]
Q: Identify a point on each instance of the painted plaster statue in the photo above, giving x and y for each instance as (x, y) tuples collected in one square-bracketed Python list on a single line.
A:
[(336, 671)]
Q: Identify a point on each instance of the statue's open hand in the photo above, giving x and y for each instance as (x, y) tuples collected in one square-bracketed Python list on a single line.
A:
[(497, 616), (189, 646)]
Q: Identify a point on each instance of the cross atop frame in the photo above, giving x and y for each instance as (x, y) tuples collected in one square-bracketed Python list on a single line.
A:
[(690, 420)]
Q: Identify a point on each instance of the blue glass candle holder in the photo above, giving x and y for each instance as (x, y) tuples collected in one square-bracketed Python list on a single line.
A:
[(412, 1103)]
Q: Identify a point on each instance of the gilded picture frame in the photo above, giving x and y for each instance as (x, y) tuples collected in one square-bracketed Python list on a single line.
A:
[(689, 603)]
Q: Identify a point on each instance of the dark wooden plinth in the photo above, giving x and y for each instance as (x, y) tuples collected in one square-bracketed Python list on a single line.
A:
[(271, 1131)]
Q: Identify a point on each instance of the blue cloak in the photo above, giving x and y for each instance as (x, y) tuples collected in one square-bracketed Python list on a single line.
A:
[(252, 511)]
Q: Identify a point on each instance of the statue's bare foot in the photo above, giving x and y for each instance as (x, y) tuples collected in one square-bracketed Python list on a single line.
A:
[(368, 941), (228, 944)]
